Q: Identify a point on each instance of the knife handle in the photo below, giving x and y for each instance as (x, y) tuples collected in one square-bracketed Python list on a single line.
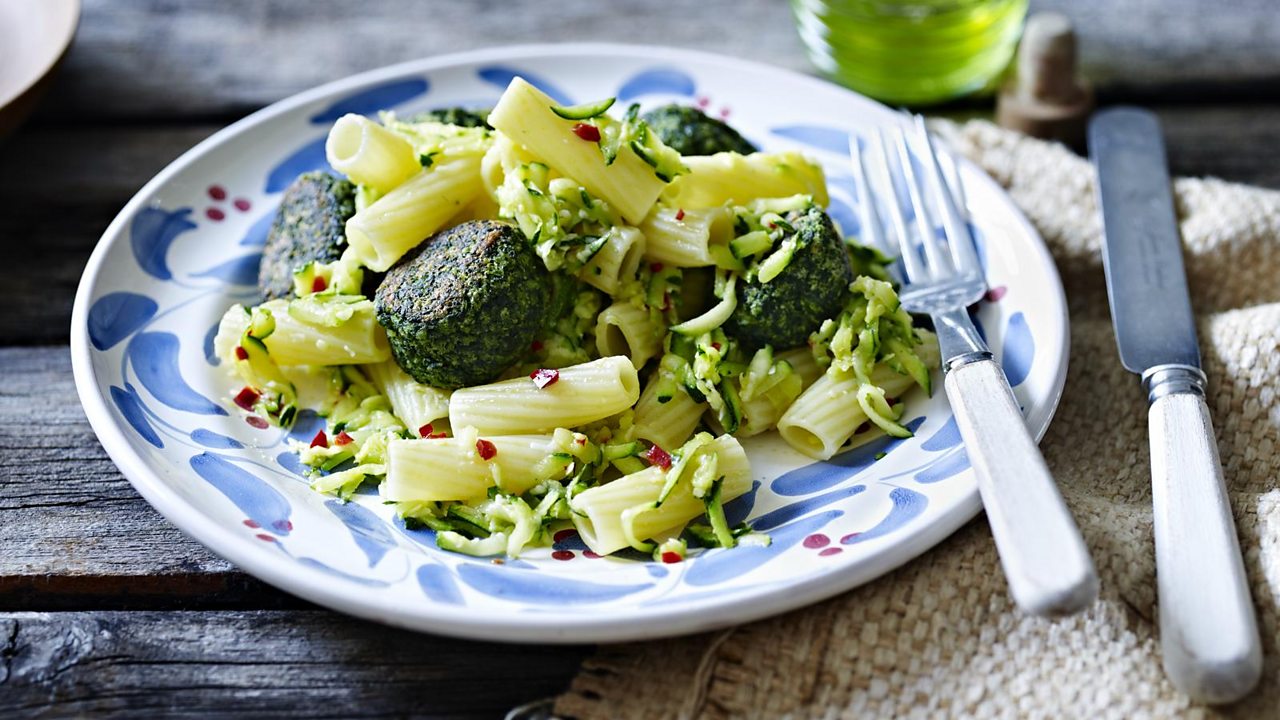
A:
[(1208, 634), (1044, 558)]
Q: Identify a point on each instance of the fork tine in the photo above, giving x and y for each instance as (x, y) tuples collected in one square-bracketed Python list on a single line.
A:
[(957, 230), (939, 263), (912, 265), (872, 230)]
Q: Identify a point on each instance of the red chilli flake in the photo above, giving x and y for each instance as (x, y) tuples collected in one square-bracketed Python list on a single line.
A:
[(437, 436), (320, 440), (655, 267), (486, 449), (679, 214), (319, 285), (587, 132), (246, 398), (426, 430), (343, 439), (671, 556), (544, 377), (715, 345), (657, 456), (536, 346), (241, 353)]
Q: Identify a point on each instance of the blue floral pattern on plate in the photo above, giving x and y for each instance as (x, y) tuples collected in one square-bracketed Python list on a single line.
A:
[(187, 249)]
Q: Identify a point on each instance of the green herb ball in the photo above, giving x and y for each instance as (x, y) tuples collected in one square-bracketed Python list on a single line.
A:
[(688, 131), (310, 226), (465, 305), (813, 287)]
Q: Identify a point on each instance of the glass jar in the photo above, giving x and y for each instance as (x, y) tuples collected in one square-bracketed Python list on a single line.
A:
[(911, 52)]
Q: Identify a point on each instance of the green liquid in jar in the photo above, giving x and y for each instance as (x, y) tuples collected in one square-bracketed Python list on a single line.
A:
[(911, 52)]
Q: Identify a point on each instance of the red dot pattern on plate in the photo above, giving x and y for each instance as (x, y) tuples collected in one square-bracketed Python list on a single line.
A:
[(215, 214), (257, 422), (217, 192), (831, 551), (995, 293), (724, 113), (219, 195), (251, 523), (703, 102), (242, 205), (849, 537), (265, 537), (562, 554), (591, 555), (817, 540), (563, 535)]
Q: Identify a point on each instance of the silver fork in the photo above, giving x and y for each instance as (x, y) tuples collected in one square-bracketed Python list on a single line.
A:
[(1045, 560)]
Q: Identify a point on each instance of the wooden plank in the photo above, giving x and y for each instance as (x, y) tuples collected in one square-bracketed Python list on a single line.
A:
[(74, 532), (62, 186), (151, 59), (266, 664)]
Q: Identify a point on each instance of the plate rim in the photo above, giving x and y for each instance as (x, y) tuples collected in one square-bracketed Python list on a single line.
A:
[(663, 621)]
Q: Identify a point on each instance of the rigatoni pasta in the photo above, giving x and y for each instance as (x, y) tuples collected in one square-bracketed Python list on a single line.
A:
[(370, 154), (409, 214), (684, 237), (580, 394)]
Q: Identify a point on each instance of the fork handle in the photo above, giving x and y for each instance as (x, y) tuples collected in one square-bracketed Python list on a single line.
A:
[(1045, 560)]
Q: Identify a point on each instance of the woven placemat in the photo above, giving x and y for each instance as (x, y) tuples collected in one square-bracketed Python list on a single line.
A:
[(940, 637)]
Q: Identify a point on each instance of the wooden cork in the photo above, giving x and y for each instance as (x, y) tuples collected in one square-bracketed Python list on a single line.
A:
[(1045, 99)]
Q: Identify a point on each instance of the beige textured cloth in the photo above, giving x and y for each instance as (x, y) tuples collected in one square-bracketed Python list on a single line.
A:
[(940, 637)]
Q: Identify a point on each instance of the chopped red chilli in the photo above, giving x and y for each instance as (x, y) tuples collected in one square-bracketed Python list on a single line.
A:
[(655, 267), (715, 345), (544, 377), (319, 285), (657, 456), (241, 353), (587, 132), (536, 346), (320, 440), (671, 556), (679, 214), (343, 439), (246, 398), (486, 449), (426, 430), (437, 436)]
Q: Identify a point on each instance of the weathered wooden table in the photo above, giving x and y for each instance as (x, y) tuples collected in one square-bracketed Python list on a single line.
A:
[(107, 609)]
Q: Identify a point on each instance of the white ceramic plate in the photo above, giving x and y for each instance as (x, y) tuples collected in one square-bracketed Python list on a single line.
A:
[(186, 247), (33, 36)]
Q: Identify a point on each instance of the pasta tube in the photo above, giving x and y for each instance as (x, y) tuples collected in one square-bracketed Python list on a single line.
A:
[(686, 241), (452, 469), (626, 330), (668, 424), (415, 404), (598, 512), (714, 180), (581, 394), (616, 261), (299, 339), (370, 154), (523, 113), (393, 225)]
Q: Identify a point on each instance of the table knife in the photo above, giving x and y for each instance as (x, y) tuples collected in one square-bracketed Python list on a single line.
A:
[(1208, 633)]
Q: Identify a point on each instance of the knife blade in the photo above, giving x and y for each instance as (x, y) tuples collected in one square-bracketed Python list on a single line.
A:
[(1142, 255), (1208, 633)]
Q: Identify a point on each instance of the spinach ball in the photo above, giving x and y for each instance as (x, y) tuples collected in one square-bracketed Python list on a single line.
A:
[(310, 226), (813, 287), (465, 305), (689, 131)]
